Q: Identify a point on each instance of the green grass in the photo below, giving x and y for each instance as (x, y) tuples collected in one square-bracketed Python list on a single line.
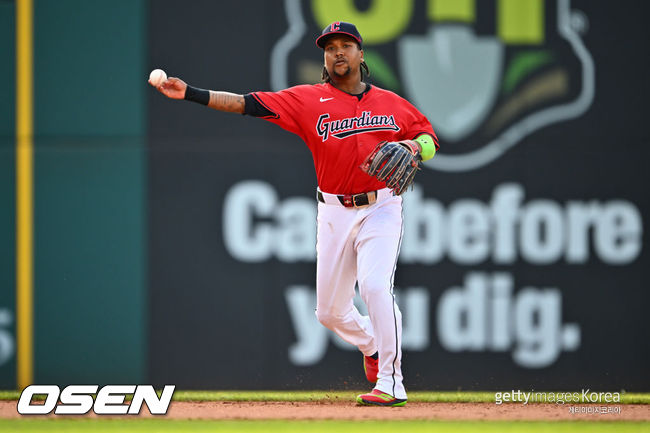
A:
[(73, 425), (158, 425), (421, 396), (415, 396)]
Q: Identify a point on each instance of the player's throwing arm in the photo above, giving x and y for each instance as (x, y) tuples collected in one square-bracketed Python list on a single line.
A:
[(175, 88)]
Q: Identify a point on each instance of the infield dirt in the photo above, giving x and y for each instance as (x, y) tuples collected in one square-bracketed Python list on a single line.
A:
[(321, 410)]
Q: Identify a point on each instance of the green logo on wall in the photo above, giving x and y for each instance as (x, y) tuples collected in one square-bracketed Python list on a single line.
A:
[(487, 74)]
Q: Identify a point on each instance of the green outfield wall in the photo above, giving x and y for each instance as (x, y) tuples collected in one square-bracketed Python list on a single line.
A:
[(89, 199), (7, 196)]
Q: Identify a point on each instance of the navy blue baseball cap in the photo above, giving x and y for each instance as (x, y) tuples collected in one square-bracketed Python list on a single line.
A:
[(339, 28)]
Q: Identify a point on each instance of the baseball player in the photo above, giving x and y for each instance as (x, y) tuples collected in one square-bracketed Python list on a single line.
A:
[(367, 144)]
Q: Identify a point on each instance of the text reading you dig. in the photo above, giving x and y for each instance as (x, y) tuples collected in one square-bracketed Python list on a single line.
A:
[(484, 312)]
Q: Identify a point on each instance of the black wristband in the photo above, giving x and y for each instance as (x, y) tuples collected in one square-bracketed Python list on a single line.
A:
[(194, 94)]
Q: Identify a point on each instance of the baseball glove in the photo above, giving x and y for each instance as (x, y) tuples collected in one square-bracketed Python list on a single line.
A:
[(394, 162)]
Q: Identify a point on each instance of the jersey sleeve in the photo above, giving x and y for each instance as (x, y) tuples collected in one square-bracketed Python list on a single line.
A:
[(418, 124), (284, 107), (252, 107)]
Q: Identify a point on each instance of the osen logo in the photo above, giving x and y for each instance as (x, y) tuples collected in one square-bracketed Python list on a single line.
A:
[(109, 400), (487, 74)]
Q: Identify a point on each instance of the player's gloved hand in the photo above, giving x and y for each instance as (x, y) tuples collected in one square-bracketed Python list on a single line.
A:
[(396, 163)]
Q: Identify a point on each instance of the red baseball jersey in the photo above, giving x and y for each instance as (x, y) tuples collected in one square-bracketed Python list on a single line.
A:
[(341, 130)]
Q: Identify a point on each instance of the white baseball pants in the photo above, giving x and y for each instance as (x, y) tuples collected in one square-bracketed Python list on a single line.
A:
[(361, 245)]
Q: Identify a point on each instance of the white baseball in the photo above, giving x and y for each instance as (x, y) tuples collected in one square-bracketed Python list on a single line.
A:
[(157, 77)]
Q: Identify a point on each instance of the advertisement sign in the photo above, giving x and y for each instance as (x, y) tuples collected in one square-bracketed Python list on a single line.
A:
[(523, 260)]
